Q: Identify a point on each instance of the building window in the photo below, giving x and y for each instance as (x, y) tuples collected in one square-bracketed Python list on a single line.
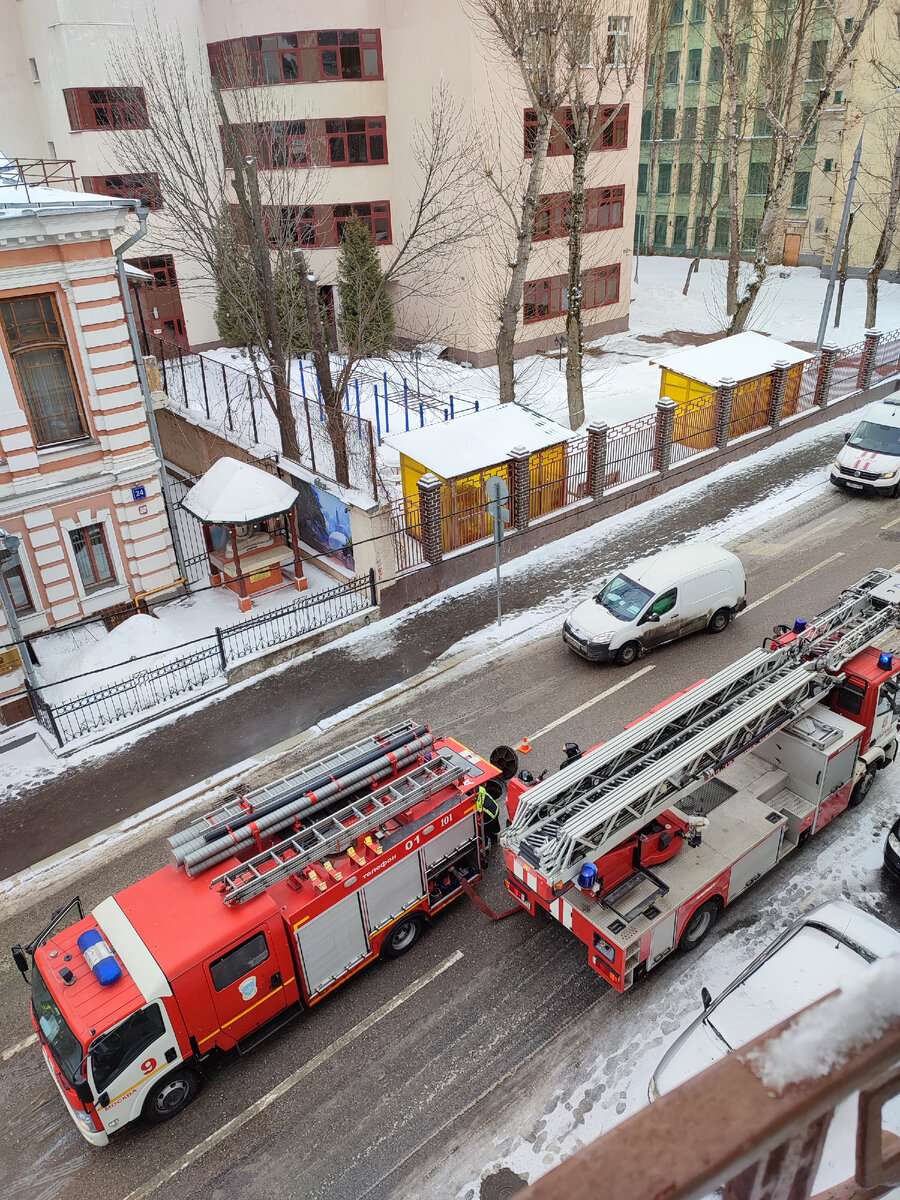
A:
[(603, 210), (698, 12), (685, 171), (818, 60), (373, 216), (335, 142), (18, 589), (667, 129), (723, 233), (611, 125), (660, 230), (302, 57), (33, 67), (761, 125), (677, 12), (749, 233), (92, 556), (672, 59), (695, 63), (711, 122), (701, 232), (546, 298), (800, 191), (161, 267), (741, 59), (664, 179), (132, 187), (106, 108), (356, 140), (829, 163), (758, 179), (716, 64), (689, 124), (40, 355), (646, 125), (613, 128), (617, 40), (839, 97), (601, 286), (679, 232), (323, 224), (642, 179)]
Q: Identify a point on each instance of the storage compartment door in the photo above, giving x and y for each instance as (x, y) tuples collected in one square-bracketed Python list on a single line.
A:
[(749, 868), (450, 840), (392, 893), (662, 939), (332, 943)]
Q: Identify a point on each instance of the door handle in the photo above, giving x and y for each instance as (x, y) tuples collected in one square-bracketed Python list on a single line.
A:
[(275, 981)]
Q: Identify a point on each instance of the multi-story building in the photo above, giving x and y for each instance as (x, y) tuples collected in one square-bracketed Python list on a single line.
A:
[(344, 99), (79, 478)]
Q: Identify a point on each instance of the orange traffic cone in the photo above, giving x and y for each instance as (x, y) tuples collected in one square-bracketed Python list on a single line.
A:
[(524, 748)]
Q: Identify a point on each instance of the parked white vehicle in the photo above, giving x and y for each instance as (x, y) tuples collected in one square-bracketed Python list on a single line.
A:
[(870, 459), (656, 600), (824, 950)]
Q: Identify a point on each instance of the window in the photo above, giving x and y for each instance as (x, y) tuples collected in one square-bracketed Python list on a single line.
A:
[(818, 60), (301, 57), (614, 127), (725, 184), (664, 179), (707, 175), (677, 12), (601, 286), (611, 126), (679, 233), (333, 142), (642, 179), (646, 125), (741, 59), (848, 24), (805, 110), (640, 225), (672, 58), (323, 224), (667, 130), (373, 216), (546, 298), (800, 191), (617, 40), (758, 179), (685, 170), (689, 124), (723, 233), (40, 355), (538, 300), (161, 267), (132, 187), (716, 64), (651, 72), (604, 209), (33, 67), (18, 588), (92, 556), (239, 962), (839, 97), (112, 1052), (660, 229), (695, 62), (761, 125), (106, 108), (711, 123), (698, 12), (701, 233), (357, 140), (749, 233), (829, 163), (664, 604)]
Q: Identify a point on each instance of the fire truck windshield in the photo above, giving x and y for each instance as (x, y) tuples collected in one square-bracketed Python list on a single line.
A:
[(63, 1044)]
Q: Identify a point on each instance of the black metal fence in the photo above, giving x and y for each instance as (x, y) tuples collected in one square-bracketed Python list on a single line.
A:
[(162, 685)]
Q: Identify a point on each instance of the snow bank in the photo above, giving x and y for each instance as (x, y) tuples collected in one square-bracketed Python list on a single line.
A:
[(821, 1039)]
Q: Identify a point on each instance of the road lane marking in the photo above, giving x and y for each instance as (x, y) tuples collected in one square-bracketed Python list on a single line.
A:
[(596, 700), (772, 548), (891, 524), (264, 1102), (790, 583), (23, 1045)]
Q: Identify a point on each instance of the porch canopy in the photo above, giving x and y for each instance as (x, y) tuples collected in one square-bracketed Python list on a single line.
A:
[(236, 493), (470, 444), (741, 356)]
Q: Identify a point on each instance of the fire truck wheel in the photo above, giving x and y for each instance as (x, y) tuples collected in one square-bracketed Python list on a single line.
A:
[(627, 654), (699, 925), (719, 621), (403, 936), (173, 1093), (861, 788)]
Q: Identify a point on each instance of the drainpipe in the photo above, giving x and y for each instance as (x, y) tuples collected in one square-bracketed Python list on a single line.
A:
[(141, 213)]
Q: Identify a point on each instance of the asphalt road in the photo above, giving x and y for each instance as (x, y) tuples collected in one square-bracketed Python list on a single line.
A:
[(413, 1060)]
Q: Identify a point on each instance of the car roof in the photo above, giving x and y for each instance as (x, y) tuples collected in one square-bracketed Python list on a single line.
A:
[(882, 412), (668, 566)]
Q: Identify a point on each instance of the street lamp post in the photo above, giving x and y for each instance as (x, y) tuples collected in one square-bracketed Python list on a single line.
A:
[(845, 220)]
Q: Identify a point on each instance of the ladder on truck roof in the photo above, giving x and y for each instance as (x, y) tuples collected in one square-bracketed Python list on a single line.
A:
[(613, 791), (331, 834)]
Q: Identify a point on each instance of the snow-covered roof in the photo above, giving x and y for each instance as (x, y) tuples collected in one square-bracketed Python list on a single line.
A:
[(453, 449), (741, 356), (17, 196), (233, 493), (136, 273)]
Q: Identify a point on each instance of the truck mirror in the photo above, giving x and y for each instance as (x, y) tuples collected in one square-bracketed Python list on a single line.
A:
[(21, 961), (705, 998)]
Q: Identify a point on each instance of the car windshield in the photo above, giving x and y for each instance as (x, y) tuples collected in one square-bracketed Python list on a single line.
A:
[(879, 439), (623, 598), (64, 1045)]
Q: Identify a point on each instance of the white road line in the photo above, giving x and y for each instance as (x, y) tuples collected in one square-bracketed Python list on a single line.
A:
[(790, 583), (230, 1127), (596, 700), (29, 1041), (891, 524), (803, 536)]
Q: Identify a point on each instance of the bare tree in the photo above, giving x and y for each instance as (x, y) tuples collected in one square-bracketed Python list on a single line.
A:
[(654, 73), (885, 239)]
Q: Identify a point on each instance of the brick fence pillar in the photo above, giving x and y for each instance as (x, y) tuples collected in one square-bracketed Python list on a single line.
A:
[(724, 408), (430, 516), (826, 370), (520, 487), (598, 432), (665, 427), (867, 362), (779, 387)]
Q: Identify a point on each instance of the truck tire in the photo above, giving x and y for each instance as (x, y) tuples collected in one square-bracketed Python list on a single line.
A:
[(403, 936), (171, 1094), (719, 621), (861, 788), (700, 923), (628, 653)]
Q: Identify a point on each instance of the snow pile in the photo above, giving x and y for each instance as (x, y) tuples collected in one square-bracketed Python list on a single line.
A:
[(821, 1039)]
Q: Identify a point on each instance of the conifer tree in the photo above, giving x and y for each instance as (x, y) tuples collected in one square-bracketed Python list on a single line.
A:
[(367, 315)]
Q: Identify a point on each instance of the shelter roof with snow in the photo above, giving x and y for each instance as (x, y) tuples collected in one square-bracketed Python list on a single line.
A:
[(469, 444), (741, 356), (235, 493)]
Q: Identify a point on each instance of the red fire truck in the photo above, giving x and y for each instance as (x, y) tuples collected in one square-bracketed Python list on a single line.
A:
[(272, 902), (637, 845)]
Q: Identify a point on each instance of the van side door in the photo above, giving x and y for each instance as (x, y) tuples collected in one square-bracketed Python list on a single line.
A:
[(660, 621)]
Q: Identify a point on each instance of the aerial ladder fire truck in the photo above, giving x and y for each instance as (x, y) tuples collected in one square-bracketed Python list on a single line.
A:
[(272, 902), (637, 845)]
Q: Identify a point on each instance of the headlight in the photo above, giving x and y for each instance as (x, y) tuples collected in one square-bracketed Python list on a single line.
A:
[(837, 463), (894, 842), (602, 639), (83, 1117), (888, 474)]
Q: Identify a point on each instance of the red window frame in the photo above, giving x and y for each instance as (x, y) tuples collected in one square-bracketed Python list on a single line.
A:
[(106, 108), (161, 267), (130, 187), (546, 298), (604, 209), (321, 225), (612, 136), (601, 286), (350, 136), (304, 56), (332, 141)]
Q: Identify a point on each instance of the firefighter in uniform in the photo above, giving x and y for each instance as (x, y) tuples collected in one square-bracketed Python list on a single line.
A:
[(490, 814)]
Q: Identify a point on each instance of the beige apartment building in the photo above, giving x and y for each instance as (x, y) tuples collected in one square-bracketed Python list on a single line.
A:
[(346, 85)]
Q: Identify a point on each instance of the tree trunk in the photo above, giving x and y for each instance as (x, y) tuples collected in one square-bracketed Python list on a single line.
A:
[(512, 301), (842, 275), (330, 397), (885, 242), (732, 134), (574, 327), (774, 206)]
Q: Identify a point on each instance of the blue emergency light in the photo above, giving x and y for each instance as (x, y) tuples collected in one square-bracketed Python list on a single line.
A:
[(799, 625), (99, 957), (587, 876), (885, 661)]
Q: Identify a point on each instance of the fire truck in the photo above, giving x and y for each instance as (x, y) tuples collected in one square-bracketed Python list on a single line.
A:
[(637, 845), (272, 902)]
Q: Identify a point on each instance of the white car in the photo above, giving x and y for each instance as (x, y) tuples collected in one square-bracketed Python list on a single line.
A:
[(825, 949), (870, 458)]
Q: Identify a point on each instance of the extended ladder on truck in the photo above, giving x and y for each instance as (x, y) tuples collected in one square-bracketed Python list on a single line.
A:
[(618, 788)]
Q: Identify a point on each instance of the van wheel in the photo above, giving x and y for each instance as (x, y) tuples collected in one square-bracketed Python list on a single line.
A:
[(699, 925), (627, 654), (173, 1093), (403, 936), (719, 621)]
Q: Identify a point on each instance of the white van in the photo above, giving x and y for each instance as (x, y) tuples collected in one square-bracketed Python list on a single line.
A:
[(656, 600), (870, 459)]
